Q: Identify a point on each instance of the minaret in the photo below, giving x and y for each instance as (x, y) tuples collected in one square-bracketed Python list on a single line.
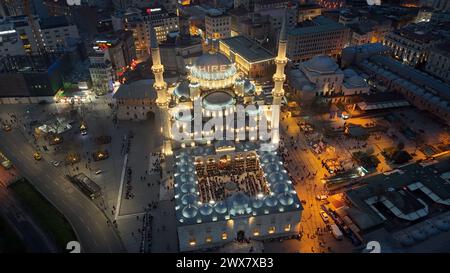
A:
[(160, 87), (158, 69), (278, 78)]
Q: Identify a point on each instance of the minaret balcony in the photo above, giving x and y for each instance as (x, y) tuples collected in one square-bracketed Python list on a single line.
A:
[(281, 60), (158, 69), (277, 78)]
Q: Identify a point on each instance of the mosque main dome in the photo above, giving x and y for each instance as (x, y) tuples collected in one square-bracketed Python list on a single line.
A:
[(213, 70)]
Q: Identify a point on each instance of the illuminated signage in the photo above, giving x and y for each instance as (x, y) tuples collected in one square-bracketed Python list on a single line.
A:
[(153, 10), (213, 68), (7, 32)]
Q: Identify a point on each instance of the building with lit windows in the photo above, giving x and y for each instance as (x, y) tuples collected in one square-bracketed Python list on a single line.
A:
[(217, 24), (320, 36), (438, 63), (101, 72), (120, 47), (139, 21), (57, 32), (411, 44), (251, 58)]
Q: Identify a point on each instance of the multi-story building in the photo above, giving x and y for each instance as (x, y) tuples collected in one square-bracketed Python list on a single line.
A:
[(362, 33), (411, 44), (320, 36), (139, 22), (10, 43), (256, 27), (238, 15), (422, 90), (276, 12), (438, 63), (308, 12), (180, 51), (101, 72), (437, 4), (57, 32), (247, 4), (29, 78), (11, 8), (217, 24), (25, 32), (250, 57), (169, 5), (120, 47)]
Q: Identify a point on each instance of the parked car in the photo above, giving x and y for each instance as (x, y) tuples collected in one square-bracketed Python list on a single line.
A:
[(324, 216), (321, 197), (55, 163)]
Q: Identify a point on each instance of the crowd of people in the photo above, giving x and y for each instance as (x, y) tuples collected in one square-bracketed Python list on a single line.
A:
[(155, 162), (243, 172)]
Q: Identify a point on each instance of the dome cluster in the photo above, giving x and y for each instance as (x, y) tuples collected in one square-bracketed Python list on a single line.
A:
[(281, 195)]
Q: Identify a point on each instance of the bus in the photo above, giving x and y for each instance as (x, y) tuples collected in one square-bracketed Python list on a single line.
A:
[(337, 233)]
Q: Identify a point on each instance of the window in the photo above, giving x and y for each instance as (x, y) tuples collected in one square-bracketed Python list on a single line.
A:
[(192, 242), (208, 239), (271, 230), (287, 227), (224, 236), (256, 232)]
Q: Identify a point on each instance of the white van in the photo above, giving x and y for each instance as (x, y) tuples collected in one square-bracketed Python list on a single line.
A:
[(337, 233)]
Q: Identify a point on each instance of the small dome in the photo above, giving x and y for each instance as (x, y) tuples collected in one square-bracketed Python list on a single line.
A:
[(270, 201), (280, 187), (257, 203), (239, 203), (266, 158), (431, 229), (406, 239), (277, 177), (356, 81), (205, 209), (272, 167), (442, 224), (321, 64), (239, 200), (286, 199), (218, 100), (249, 87), (182, 90), (188, 198), (190, 211), (186, 178), (419, 235), (188, 188), (186, 168), (220, 207)]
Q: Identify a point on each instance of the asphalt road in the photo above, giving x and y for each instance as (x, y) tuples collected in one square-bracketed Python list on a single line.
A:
[(89, 223)]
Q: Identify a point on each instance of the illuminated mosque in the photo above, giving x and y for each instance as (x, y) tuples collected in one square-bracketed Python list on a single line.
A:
[(225, 190)]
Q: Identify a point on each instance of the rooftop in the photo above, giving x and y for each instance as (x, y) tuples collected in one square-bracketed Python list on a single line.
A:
[(264, 188), (54, 22), (141, 89), (318, 24), (410, 189), (250, 50)]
